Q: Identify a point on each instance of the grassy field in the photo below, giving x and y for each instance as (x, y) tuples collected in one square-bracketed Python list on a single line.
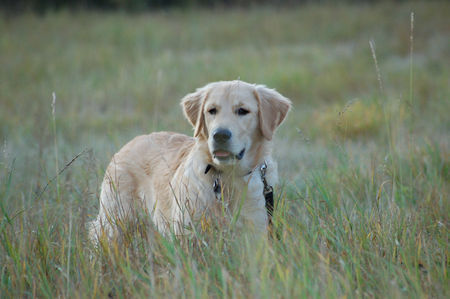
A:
[(364, 154)]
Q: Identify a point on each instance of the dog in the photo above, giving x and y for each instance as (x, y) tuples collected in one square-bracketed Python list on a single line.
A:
[(226, 165)]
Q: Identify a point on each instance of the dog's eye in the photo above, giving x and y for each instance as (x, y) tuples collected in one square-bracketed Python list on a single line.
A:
[(242, 111), (212, 111)]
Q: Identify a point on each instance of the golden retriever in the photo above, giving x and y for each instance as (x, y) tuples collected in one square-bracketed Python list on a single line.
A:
[(178, 179)]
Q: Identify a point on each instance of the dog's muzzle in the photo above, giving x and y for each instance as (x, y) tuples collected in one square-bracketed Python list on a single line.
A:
[(221, 136), (222, 139), (225, 155)]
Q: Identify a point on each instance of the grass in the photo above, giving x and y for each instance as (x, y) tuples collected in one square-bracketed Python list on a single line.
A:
[(363, 203)]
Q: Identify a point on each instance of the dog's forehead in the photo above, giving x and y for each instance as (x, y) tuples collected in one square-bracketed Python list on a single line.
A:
[(233, 94)]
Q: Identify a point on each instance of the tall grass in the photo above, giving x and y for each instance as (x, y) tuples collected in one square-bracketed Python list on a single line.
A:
[(55, 143), (362, 210)]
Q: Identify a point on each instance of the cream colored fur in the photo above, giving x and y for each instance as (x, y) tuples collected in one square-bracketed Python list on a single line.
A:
[(164, 173)]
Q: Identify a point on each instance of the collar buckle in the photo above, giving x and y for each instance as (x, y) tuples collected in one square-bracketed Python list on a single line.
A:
[(267, 187)]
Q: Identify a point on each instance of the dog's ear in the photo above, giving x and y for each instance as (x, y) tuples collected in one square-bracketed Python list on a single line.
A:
[(193, 105), (273, 108)]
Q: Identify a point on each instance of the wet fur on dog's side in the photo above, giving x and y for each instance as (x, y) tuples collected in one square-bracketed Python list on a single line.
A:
[(164, 172)]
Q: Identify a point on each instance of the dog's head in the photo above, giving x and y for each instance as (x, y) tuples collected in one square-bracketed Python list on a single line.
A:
[(234, 118)]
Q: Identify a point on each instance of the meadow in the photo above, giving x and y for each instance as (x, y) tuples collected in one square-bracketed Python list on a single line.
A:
[(362, 206)]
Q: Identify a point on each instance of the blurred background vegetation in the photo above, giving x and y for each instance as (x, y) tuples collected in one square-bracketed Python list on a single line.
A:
[(139, 5), (363, 155)]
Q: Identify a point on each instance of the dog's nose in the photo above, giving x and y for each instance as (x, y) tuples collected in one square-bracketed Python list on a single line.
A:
[(221, 135)]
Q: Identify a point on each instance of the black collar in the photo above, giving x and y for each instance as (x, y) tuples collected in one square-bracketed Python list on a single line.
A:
[(208, 168)]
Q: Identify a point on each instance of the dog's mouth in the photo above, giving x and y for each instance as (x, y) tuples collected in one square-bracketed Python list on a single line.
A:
[(223, 155)]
